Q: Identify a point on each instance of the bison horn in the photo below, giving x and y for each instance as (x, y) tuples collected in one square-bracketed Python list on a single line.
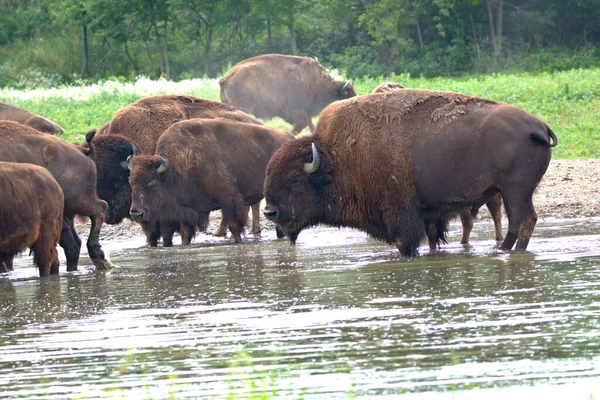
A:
[(136, 151), (128, 163), (163, 165), (345, 88), (309, 168)]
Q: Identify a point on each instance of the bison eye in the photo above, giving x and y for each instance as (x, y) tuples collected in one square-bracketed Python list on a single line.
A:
[(295, 183)]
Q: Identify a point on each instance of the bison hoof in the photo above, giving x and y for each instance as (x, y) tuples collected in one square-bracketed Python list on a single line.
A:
[(220, 233), (103, 264)]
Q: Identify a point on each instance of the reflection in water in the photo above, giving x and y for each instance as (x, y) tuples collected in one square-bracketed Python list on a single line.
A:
[(338, 316)]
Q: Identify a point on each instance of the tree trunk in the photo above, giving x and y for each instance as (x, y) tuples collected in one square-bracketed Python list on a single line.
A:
[(166, 51), (131, 60), (269, 38), (292, 34), (392, 61), (499, 15), (491, 25), (85, 70), (207, 51), (419, 34), (475, 40)]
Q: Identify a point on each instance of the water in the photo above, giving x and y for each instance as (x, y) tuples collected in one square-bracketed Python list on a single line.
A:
[(338, 316)]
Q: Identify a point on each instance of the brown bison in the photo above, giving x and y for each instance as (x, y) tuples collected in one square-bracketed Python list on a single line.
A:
[(203, 165), (141, 124), (290, 87), (37, 122), (468, 215), (145, 120), (76, 175), (31, 214), (427, 156)]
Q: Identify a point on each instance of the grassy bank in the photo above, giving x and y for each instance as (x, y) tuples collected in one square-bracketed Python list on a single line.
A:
[(568, 101)]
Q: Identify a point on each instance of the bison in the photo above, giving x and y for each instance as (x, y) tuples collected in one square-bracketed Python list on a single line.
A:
[(140, 124), (394, 163), (146, 119), (37, 122), (468, 215), (290, 87), (76, 175), (203, 165), (31, 214)]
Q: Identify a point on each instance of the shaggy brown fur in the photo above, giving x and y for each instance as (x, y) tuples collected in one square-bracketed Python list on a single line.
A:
[(393, 162), (210, 164), (37, 122), (31, 214), (274, 85), (74, 172), (145, 120)]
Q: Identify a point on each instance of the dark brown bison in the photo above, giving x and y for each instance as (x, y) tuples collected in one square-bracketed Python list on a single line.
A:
[(394, 163), (290, 87), (37, 122), (468, 215), (203, 165), (141, 124), (76, 175), (387, 86), (31, 215), (145, 120)]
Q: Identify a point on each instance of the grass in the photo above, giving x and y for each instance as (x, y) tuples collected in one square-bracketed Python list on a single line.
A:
[(568, 101)]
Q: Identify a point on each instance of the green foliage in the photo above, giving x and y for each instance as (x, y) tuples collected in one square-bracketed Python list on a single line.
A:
[(569, 101)]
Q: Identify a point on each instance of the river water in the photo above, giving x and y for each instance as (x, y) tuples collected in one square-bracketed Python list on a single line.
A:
[(339, 316)]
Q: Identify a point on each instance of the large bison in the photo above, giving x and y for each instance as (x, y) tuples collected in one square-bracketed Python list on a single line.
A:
[(142, 123), (203, 165), (74, 172), (394, 163), (468, 215), (37, 122), (31, 214), (290, 87)]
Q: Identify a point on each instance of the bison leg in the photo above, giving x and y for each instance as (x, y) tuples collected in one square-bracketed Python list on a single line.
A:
[(255, 219), (521, 220), (152, 232), (222, 231), (432, 236), (405, 228), (93, 243), (70, 243), (187, 234), (467, 219), (6, 263), (300, 120), (45, 255), (167, 230), (495, 207)]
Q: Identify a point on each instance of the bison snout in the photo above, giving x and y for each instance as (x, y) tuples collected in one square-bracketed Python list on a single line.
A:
[(271, 214), (137, 215)]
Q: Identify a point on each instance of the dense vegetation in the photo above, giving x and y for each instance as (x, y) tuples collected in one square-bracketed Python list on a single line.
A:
[(568, 101), (45, 43)]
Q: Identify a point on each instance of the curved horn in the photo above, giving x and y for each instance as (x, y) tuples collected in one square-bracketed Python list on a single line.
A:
[(163, 165), (309, 168), (128, 163), (136, 151), (344, 89)]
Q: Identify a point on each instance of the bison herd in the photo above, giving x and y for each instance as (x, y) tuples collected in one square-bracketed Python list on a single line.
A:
[(398, 164)]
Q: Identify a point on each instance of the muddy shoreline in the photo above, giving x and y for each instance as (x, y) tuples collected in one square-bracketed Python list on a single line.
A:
[(569, 189)]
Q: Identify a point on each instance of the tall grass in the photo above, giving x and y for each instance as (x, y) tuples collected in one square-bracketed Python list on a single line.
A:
[(568, 101)]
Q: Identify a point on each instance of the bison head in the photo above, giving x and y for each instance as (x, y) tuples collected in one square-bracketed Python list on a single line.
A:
[(147, 179), (44, 125), (110, 153), (344, 90), (297, 186)]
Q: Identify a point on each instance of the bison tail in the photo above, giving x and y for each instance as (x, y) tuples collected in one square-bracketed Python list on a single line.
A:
[(538, 138)]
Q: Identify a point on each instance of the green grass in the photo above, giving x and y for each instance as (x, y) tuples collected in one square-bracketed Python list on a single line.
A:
[(568, 101)]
